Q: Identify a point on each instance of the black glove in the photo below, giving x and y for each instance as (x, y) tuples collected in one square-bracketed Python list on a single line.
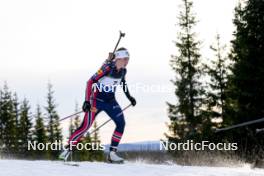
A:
[(111, 56), (86, 106), (133, 101)]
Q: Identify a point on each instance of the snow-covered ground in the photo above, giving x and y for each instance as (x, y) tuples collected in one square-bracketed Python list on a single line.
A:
[(56, 168)]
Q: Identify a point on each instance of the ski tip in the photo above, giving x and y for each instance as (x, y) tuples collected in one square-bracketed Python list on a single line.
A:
[(217, 130), (71, 164), (115, 162)]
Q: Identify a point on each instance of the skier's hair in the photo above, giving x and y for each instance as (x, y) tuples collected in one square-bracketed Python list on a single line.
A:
[(121, 49)]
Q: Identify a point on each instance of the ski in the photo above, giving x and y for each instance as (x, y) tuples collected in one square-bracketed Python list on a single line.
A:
[(115, 162), (66, 161), (70, 163)]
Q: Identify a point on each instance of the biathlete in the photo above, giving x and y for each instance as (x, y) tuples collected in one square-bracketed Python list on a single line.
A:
[(100, 96)]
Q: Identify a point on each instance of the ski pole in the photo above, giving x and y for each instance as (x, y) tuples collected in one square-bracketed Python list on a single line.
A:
[(96, 129), (120, 36), (70, 116), (64, 118), (70, 152), (239, 125)]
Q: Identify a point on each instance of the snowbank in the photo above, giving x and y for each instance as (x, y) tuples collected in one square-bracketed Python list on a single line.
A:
[(56, 168)]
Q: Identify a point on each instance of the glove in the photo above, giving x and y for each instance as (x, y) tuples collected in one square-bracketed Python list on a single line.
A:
[(111, 56), (133, 101), (86, 106)]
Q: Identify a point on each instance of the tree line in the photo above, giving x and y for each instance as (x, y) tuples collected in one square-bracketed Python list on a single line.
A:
[(19, 126), (225, 90)]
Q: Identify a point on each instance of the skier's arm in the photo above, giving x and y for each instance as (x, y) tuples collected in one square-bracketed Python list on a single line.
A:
[(126, 91), (125, 87), (99, 74)]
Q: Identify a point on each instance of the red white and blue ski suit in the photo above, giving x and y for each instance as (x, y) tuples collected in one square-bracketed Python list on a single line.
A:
[(102, 97)]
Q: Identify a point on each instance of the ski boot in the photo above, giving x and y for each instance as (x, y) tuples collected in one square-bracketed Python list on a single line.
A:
[(114, 158), (64, 154)]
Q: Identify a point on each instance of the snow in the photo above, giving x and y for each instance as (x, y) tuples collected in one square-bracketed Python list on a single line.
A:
[(57, 168), (138, 146)]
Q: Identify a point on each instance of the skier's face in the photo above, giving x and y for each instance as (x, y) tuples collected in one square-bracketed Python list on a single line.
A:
[(122, 62)]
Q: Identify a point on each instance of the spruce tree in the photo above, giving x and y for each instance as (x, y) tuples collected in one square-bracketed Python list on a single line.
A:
[(1, 121), (97, 155), (39, 133), (185, 115), (16, 113), (83, 155), (218, 70), (25, 127), (248, 54), (247, 81), (95, 136), (54, 134), (77, 121), (8, 122), (71, 127), (53, 129), (74, 122)]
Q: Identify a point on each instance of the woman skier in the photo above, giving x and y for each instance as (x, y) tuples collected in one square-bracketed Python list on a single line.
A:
[(102, 98)]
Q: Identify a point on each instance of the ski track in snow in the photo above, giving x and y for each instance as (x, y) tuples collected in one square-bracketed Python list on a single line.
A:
[(57, 168)]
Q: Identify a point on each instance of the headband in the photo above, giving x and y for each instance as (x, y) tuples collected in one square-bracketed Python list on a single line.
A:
[(121, 54)]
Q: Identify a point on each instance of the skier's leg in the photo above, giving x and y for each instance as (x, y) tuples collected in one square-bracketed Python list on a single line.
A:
[(115, 112), (119, 121), (79, 132), (86, 124)]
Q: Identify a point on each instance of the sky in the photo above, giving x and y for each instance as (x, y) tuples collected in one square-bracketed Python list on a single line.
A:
[(65, 41)]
